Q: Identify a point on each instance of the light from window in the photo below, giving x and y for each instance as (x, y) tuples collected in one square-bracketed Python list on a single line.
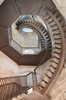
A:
[(30, 90), (27, 30), (28, 51)]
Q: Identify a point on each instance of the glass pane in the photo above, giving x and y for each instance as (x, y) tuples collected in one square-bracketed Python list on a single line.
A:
[(28, 51), (27, 30)]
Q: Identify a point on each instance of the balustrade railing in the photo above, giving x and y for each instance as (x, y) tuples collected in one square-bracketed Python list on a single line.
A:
[(15, 85), (10, 90)]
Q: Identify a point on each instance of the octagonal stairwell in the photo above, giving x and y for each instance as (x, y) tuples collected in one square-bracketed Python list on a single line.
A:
[(53, 32)]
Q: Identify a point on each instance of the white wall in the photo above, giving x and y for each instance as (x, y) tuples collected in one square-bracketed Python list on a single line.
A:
[(1, 1), (61, 5)]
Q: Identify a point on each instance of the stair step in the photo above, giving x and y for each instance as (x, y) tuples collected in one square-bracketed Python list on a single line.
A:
[(56, 14), (52, 23), (49, 73), (46, 79), (43, 84), (54, 27)]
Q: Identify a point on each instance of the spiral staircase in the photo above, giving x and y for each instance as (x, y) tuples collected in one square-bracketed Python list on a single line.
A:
[(53, 39)]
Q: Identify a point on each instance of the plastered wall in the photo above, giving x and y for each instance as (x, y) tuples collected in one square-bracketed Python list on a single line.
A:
[(1, 1), (61, 5), (9, 68)]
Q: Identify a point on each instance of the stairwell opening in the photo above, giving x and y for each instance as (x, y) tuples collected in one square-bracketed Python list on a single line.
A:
[(51, 43)]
